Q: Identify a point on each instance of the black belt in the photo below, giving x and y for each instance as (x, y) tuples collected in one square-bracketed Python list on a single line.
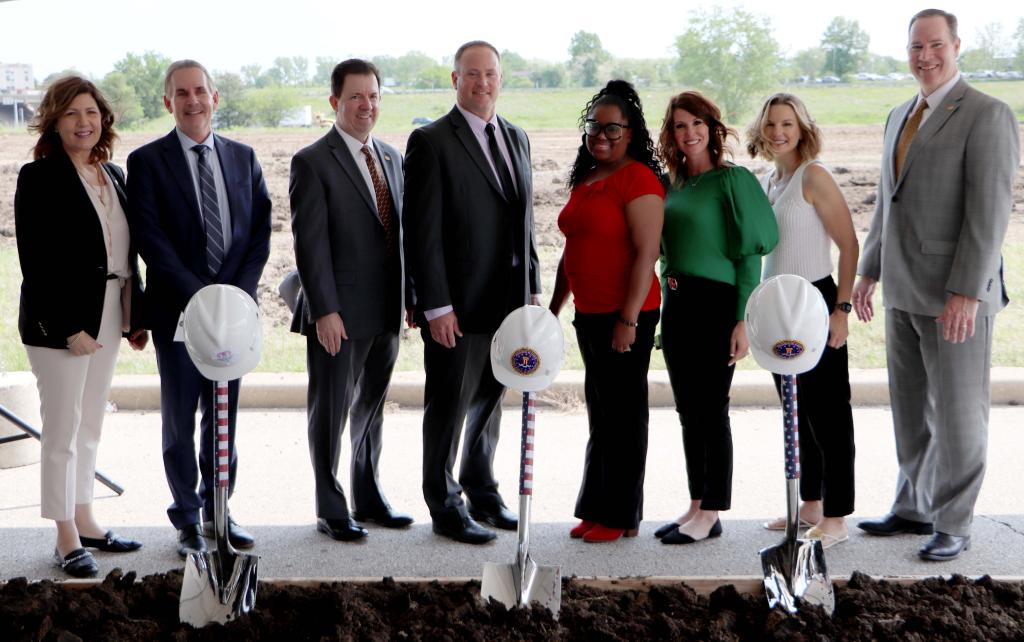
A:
[(111, 277)]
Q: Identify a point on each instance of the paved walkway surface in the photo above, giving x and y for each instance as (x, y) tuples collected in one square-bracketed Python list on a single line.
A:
[(274, 499)]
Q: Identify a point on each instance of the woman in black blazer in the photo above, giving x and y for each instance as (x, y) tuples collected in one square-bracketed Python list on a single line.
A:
[(79, 294)]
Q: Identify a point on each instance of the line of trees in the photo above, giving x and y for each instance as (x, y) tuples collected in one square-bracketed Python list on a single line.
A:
[(731, 54)]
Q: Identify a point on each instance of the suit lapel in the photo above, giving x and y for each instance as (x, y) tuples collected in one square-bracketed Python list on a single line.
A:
[(892, 140), (465, 135), (115, 180), (518, 157), (174, 156), (340, 152), (935, 122), (229, 170)]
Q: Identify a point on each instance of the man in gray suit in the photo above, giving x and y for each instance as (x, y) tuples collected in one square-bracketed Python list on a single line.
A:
[(944, 203), (346, 200)]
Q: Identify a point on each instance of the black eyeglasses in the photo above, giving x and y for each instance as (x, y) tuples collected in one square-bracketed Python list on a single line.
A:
[(612, 131)]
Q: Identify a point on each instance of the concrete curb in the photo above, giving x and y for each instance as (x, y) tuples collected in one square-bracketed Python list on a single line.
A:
[(749, 388)]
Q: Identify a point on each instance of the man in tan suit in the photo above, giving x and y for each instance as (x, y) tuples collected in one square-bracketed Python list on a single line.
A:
[(944, 202)]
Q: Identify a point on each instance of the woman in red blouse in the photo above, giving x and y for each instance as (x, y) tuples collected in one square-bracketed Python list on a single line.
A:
[(612, 227)]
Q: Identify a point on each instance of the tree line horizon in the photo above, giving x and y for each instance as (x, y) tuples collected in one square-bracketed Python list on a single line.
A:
[(729, 54)]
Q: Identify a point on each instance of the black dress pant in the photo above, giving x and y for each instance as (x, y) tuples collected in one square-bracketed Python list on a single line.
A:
[(827, 447), (615, 385), (460, 387), (351, 385), (696, 331)]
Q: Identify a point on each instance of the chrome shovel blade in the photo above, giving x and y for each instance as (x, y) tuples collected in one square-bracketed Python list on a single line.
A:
[(523, 585), (795, 575), (208, 595)]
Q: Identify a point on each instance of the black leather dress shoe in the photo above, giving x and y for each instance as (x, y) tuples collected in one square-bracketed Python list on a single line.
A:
[(675, 537), (386, 517), (77, 563), (238, 536), (501, 517), (666, 529), (462, 529), (343, 530), (893, 524), (110, 543), (190, 540), (943, 547)]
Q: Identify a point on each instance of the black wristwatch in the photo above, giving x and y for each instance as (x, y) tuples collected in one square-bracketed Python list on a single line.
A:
[(845, 306)]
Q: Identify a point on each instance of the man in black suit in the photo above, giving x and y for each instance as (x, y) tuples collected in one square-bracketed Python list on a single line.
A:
[(200, 214), (468, 213), (346, 200)]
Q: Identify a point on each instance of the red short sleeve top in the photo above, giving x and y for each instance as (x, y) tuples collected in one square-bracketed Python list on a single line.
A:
[(598, 252)]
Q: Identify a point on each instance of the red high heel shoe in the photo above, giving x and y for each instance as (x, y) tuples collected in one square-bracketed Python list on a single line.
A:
[(581, 529), (604, 534)]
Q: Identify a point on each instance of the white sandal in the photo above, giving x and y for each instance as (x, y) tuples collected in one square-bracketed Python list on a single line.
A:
[(827, 540), (779, 524)]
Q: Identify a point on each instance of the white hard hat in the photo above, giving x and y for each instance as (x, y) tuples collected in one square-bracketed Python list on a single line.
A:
[(528, 349), (223, 333), (787, 324)]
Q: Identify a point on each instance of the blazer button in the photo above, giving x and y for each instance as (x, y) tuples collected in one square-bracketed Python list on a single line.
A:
[(895, 199)]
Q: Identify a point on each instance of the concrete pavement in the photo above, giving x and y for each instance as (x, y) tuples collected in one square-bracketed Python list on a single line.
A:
[(274, 499)]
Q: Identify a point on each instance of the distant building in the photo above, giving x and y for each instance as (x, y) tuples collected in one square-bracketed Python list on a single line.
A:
[(16, 78)]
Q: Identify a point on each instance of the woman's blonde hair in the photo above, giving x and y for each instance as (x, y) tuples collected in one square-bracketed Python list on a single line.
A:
[(810, 136)]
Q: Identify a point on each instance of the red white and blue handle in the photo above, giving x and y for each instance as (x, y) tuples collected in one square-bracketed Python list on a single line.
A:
[(223, 458), (526, 446)]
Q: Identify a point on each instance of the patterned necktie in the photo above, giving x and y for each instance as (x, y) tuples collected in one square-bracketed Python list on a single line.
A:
[(908, 135), (380, 188), (507, 187), (211, 212)]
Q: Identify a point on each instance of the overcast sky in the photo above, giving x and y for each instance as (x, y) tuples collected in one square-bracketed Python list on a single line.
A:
[(225, 34)]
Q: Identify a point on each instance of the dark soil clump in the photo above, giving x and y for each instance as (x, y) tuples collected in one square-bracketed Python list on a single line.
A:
[(123, 609)]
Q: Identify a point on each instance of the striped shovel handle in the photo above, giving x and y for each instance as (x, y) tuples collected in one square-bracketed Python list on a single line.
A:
[(526, 446), (223, 459), (791, 424)]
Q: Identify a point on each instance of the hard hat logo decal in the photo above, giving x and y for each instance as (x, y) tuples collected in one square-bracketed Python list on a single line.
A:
[(225, 357), (525, 361), (788, 349)]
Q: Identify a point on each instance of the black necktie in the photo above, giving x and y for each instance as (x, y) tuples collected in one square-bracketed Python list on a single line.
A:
[(507, 187)]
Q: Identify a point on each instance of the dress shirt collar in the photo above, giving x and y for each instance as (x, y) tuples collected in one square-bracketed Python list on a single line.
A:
[(478, 124), (353, 143), (937, 96), (187, 143)]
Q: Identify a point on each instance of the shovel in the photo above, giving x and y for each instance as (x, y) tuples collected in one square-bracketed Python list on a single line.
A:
[(794, 570), (524, 582), (218, 585)]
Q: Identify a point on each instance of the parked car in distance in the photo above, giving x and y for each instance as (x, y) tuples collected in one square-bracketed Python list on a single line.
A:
[(421, 120)]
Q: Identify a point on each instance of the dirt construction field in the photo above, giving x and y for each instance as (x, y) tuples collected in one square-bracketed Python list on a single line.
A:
[(852, 152)]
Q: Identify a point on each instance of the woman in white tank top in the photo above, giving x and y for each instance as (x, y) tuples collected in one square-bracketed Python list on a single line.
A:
[(812, 215)]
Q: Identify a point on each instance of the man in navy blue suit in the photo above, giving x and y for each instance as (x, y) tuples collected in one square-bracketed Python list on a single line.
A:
[(200, 214)]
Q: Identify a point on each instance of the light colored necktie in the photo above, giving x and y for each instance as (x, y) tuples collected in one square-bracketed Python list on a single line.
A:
[(907, 135), (211, 212), (383, 198)]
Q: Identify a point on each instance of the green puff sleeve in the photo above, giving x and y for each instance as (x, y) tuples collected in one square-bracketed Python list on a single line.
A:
[(751, 230)]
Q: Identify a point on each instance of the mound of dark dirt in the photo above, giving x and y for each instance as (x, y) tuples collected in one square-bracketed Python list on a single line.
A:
[(122, 609)]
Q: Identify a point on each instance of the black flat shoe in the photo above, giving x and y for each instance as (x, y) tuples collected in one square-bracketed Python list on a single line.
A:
[(893, 524), (666, 529), (110, 543), (77, 563), (386, 517), (675, 537), (343, 530)]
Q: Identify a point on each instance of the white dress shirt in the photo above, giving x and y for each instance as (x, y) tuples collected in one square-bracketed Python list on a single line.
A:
[(356, 149)]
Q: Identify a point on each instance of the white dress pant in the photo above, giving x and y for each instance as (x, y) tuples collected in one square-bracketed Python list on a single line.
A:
[(73, 396)]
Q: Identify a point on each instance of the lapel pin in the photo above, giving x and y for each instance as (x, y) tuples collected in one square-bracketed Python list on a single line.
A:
[(951, 108), (387, 157)]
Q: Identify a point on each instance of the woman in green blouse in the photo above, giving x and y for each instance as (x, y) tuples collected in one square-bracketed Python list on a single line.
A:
[(718, 225)]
